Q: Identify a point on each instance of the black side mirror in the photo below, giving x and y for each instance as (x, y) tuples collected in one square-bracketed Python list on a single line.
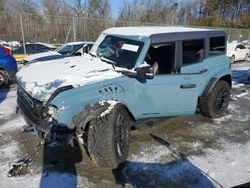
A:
[(142, 73), (145, 72)]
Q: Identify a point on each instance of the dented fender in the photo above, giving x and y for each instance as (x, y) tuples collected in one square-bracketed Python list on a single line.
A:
[(93, 111)]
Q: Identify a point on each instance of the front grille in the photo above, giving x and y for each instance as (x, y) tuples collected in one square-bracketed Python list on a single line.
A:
[(24, 95), (28, 105)]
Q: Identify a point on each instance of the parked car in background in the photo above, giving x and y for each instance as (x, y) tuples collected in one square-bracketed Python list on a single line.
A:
[(31, 48), (246, 43), (3, 43), (237, 52), (14, 44), (67, 50), (8, 66)]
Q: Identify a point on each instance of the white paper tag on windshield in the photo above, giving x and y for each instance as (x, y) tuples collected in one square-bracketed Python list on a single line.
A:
[(130, 47)]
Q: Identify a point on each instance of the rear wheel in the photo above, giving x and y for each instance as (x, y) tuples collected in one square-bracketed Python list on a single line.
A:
[(215, 103), (108, 138), (3, 79)]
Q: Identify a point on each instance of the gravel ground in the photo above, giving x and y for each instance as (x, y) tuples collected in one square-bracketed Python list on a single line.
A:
[(190, 151)]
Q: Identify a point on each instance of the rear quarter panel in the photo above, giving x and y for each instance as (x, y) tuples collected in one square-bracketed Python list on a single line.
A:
[(218, 66)]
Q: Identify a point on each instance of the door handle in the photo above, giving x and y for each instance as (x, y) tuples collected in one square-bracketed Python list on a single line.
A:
[(203, 71), (188, 86)]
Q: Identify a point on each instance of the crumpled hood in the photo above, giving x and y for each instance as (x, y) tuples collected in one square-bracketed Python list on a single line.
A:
[(41, 79), (39, 55)]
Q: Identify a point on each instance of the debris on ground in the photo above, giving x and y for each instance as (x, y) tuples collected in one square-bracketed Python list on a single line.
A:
[(20, 167)]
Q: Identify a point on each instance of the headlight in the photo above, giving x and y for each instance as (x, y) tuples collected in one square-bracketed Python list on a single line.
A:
[(53, 111)]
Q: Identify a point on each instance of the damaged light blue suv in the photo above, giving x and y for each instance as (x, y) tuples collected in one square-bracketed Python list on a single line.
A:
[(131, 74)]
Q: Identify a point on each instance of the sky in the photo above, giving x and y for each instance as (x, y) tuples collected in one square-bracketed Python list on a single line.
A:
[(115, 6)]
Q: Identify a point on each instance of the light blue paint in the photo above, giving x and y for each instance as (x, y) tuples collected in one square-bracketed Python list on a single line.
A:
[(161, 96)]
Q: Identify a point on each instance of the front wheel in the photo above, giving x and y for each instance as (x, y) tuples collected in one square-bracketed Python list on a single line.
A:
[(108, 138), (3, 79), (215, 103)]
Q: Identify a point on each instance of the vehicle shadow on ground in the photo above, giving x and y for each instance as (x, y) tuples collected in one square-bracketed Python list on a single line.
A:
[(179, 172), (3, 94), (240, 76), (59, 165)]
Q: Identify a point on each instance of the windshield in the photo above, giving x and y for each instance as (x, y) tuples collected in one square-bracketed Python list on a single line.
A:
[(67, 49), (123, 52)]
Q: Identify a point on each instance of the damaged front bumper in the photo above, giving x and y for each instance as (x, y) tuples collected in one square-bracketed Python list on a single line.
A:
[(47, 128)]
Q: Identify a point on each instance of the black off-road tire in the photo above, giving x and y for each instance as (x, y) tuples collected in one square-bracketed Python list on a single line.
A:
[(215, 103), (3, 79), (108, 138)]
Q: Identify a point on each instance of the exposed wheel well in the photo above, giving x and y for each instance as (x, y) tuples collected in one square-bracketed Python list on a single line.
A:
[(228, 79), (83, 119), (129, 113)]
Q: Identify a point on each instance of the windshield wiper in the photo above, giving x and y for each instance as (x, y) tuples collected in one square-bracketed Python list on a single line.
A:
[(108, 61), (104, 59), (93, 55)]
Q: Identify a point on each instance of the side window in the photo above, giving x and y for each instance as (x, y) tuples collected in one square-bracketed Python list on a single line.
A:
[(162, 58), (193, 51), (90, 46), (240, 47), (80, 51), (29, 48), (19, 50), (40, 48), (217, 46), (34, 48)]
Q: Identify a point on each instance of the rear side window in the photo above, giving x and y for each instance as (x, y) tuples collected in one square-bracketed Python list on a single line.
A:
[(217, 46), (241, 47), (29, 48), (193, 51)]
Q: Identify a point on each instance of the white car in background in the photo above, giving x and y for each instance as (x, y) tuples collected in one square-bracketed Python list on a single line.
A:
[(14, 44), (4, 43), (67, 50), (237, 52)]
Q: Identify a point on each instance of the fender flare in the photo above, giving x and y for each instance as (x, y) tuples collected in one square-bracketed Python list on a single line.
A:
[(93, 111), (211, 84)]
